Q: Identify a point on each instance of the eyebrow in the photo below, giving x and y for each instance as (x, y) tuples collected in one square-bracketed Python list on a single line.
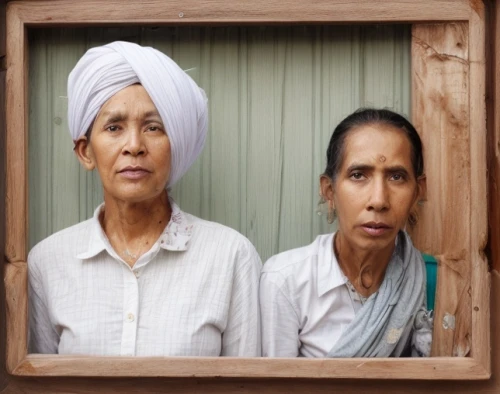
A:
[(152, 114), (366, 167), (112, 117)]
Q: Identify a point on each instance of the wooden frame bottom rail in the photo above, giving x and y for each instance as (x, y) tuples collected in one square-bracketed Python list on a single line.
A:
[(439, 368)]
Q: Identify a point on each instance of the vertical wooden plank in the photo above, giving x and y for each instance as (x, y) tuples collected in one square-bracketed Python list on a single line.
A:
[(3, 375), (441, 114), (16, 311), (3, 39), (480, 279), (16, 139), (494, 137), (3, 49)]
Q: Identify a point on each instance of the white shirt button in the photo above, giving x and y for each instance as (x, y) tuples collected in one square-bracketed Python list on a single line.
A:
[(130, 317), (137, 274)]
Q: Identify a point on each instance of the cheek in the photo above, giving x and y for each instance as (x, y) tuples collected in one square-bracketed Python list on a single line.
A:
[(348, 206), (350, 198), (103, 160), (403, 202), (163, 165)]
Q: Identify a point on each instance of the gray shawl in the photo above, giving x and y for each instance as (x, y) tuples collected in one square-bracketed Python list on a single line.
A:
[(383, 325)]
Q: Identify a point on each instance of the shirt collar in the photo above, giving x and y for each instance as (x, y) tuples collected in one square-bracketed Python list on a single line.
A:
[(175, 237), (97, 239), (178, 232), (329, 273)]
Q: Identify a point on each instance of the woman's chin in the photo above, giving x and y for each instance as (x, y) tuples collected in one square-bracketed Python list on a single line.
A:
[(368, 242), (137, 196)]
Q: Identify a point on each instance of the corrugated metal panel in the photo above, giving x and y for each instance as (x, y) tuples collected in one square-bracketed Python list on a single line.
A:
[(276, 93)]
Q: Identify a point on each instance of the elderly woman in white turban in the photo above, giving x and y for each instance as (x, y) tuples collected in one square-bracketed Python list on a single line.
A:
[(141, 277)]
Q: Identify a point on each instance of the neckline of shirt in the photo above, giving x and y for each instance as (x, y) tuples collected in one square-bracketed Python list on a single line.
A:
[(175, 237)]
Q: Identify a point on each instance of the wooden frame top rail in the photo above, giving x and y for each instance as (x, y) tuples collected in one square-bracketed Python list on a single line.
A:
[(63, 12), (459, 70)]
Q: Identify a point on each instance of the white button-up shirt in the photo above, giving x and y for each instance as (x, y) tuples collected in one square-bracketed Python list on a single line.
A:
[(305, 303), (194, 293)]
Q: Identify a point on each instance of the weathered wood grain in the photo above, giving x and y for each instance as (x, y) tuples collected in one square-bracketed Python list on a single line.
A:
[(3, 46), (390, 368), (3, 376), (16, 289), (480, 286), (441, 113), (16, 140), (63, 12), (494, 137)]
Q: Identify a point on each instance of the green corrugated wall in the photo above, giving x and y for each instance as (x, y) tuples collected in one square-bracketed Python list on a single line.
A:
[(275, 95)]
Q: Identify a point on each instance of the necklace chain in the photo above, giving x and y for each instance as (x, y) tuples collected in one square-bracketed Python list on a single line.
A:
[(130, 255)]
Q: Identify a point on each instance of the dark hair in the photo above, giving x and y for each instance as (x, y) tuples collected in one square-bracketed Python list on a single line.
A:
[(367, 116)]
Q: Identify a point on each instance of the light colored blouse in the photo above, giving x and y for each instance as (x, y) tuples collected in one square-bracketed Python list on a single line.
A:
[(305, 301), (194, 293)]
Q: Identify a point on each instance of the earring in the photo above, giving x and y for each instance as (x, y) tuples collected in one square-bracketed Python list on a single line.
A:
[(320, 208), (413, 218), (332, 214)]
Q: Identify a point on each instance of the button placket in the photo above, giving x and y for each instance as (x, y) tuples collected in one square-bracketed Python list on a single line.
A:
[(130, 312)]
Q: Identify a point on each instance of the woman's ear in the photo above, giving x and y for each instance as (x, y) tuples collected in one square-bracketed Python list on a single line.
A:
[(421, 189), (326, 188), (84, 152), (420, 197)]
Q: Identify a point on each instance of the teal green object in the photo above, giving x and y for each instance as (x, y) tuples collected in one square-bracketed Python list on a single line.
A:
[(431, 268)]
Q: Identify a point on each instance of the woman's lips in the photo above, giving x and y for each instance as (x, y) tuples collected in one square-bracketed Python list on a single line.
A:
[(134, 173), (376, 229)]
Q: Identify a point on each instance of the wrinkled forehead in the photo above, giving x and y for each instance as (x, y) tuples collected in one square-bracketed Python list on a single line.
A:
[(377, 144), (133, 100)]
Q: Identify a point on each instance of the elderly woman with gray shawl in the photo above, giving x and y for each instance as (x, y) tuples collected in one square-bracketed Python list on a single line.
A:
[(142, 277), (359, 292)]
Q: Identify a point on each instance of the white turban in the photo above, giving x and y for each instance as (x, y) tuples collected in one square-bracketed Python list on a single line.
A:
[(104, 71)]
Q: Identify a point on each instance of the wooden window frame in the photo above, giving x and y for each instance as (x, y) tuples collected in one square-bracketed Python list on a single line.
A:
[(448, 105)]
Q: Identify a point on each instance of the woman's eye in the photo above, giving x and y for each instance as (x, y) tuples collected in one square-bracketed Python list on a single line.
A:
[(397, 177), (357, 175), (154, 128), (112, 128)]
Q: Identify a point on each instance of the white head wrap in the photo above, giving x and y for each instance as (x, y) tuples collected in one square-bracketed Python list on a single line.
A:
[(104, 71)]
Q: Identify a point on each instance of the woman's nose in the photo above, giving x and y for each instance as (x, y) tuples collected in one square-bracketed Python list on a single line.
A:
[(379, 199), (134, 144)]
